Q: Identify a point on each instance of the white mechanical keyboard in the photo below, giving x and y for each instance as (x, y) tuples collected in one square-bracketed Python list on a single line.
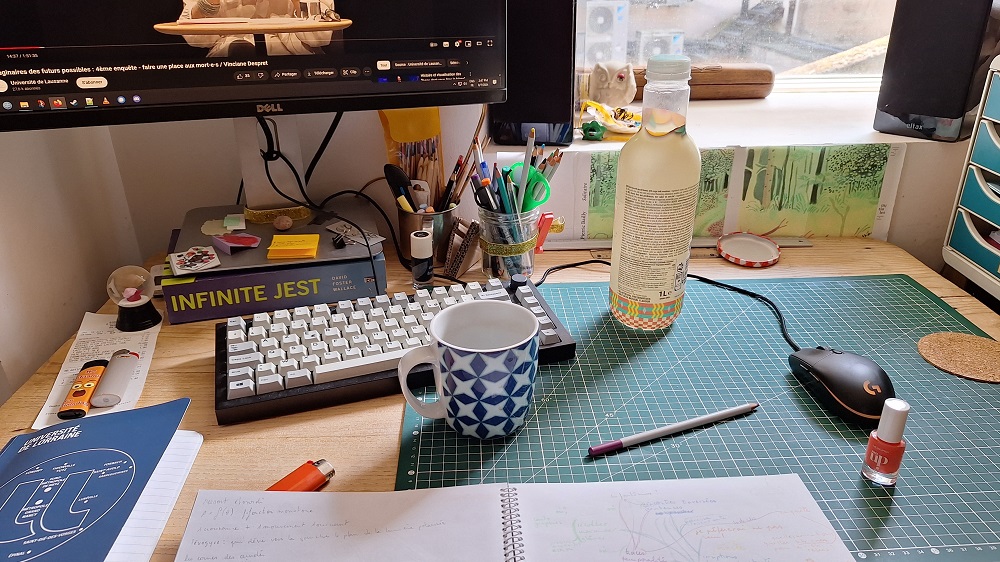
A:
[(294, 360)]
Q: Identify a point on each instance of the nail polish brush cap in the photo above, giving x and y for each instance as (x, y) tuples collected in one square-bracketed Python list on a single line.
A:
[(890, 425), (421, 245)]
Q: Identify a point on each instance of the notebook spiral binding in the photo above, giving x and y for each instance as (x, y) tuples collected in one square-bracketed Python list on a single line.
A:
[(513, 542)]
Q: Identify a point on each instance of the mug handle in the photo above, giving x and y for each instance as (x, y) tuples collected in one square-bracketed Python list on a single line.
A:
[(412, 358)]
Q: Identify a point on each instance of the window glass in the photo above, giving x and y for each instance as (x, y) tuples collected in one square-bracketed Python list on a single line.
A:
[(794, 37)]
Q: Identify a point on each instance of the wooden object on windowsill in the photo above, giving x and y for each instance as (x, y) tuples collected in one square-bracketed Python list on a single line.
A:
[(723, 81)]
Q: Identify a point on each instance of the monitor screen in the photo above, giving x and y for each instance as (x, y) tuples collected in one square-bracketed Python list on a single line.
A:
[(68, 63)]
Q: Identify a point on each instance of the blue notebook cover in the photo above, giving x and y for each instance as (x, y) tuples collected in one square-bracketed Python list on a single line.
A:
[(67, 489)]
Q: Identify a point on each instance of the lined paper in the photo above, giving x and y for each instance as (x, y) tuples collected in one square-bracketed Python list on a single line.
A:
[(142, 530)]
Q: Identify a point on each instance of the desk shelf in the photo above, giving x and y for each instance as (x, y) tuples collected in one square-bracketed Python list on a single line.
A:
[(977, 205)]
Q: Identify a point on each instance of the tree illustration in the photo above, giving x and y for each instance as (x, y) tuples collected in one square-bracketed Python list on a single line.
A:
[(603, 172), (715, 168), (859, 164)]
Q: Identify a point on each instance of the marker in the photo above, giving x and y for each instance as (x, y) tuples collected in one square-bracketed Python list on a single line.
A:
[(404, 204), (612, 446), (307, 478)]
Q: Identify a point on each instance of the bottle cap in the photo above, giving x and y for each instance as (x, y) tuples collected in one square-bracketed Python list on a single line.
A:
[(750, 250), (421, 245), (668, 67), (890, 425)]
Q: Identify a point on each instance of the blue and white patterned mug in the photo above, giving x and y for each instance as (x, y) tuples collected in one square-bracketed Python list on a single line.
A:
[(485, 356)]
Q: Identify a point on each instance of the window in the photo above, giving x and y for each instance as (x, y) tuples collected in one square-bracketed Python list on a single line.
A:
[(794, 37)]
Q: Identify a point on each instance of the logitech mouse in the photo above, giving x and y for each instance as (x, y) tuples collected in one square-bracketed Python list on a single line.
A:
[(848, 385)]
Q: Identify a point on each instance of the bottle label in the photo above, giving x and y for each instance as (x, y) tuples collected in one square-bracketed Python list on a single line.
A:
[(655, 242), (884, 457), (659, 122), (642, 315)]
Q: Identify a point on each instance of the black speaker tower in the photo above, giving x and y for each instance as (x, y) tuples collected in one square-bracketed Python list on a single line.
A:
[(935, 67)]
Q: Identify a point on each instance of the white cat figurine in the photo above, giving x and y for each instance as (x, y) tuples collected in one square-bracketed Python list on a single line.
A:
[(612, 83)]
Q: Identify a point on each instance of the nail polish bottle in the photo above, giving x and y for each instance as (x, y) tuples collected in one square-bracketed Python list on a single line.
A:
[(422, 251), (886, 445)]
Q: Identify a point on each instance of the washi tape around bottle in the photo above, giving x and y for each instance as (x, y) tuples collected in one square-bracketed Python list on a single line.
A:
[(750, 250)]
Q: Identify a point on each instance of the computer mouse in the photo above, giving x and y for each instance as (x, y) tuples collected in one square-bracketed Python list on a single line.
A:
[(848, 385)]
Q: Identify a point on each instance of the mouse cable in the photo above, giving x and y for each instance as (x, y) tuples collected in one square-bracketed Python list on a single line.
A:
[(774, 308)]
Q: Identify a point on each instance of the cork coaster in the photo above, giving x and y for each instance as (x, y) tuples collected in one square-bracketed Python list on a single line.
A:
[(965, 355)]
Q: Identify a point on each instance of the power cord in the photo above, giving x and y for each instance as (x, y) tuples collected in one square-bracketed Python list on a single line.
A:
[(770, 304)]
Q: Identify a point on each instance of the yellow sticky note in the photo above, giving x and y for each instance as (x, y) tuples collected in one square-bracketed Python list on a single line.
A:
[(293, 246)]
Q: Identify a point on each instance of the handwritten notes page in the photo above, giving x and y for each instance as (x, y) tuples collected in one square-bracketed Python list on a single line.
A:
[(735, 519), (747, 519), (460, 524), (98, 338)]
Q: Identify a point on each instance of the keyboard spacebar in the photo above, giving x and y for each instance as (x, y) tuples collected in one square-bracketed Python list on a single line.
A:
[(355, 367)]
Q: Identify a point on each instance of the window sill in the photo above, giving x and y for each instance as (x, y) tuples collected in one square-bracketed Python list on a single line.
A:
[(788, 116)]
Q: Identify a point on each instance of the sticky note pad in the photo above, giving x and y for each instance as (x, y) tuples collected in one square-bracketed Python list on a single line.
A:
[(284, 246)]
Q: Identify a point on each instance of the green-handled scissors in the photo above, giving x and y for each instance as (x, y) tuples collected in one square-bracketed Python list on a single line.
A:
[(538, 185)]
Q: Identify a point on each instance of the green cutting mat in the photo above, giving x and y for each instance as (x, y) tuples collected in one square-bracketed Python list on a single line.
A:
[(726, 350)]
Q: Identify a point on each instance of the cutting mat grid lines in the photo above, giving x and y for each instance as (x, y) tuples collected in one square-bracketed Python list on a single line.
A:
[(726, 349)]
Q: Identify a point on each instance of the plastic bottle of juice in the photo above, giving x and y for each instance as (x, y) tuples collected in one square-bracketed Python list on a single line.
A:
[(656, 194)]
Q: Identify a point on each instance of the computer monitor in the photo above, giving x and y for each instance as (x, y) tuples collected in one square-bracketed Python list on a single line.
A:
[(70, 63)]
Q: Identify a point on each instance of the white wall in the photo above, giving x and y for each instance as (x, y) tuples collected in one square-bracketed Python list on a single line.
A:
[(172, 167), (66, 227)]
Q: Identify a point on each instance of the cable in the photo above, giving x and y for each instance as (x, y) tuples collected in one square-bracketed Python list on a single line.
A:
[(385, 217), (774, 308), (371, 256), (322, 145), (556, 268)]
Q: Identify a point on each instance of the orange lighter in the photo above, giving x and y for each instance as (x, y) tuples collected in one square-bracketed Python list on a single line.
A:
[(77, 402), (307, 478)]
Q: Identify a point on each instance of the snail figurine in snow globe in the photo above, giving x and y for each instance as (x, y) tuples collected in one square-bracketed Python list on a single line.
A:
[(131, 288)]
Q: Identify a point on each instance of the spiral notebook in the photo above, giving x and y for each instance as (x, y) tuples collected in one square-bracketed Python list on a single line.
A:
[(746, 518)]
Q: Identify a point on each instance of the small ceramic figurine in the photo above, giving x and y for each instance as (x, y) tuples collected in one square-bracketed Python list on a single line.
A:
[(613, 84)]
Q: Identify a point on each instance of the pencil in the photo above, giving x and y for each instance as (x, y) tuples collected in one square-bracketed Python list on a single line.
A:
[(522, 185), (462, 182), (612, 446)]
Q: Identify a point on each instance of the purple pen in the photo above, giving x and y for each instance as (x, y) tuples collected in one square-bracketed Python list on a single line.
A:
[(612, 446)]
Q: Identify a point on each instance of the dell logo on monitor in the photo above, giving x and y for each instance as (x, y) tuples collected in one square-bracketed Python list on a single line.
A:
[(269, 108)]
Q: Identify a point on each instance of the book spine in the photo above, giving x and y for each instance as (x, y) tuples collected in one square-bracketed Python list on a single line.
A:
[(513, 539), (211, 297)]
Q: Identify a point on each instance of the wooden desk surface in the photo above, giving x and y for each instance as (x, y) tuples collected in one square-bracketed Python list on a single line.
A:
[(362, 439)]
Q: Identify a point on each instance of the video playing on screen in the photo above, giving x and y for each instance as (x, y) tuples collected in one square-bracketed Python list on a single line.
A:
[(185, 59)]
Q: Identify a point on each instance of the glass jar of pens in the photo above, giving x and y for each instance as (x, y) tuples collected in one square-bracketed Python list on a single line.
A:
[(508, 217)]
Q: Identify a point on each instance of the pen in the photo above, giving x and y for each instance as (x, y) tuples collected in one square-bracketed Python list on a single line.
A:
[(482, 193), (482, 161), (611, 446), (449, 188), (307, 478), (522, 184)]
